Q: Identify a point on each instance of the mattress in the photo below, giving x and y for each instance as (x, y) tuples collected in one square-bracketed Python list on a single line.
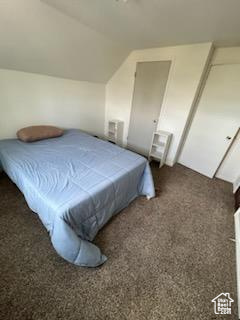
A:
[(76, 183)]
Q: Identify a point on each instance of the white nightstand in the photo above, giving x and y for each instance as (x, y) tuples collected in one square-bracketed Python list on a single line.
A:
[(159, 147), (115, 131)]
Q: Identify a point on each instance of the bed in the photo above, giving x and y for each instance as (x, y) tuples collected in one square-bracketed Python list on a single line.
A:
[(76, 183)]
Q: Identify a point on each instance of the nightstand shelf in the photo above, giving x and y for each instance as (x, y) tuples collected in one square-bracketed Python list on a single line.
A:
[(115, 131), (159, 147)]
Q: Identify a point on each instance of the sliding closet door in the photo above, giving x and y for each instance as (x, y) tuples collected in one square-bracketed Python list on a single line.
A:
[(150, 84), (216, 121)]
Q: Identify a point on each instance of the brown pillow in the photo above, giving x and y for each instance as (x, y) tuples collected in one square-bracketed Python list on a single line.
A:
[(35, 133)]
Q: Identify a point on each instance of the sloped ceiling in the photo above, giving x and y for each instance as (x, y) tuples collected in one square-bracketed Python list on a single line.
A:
[(35, 37), (156, 23), (88, 39)]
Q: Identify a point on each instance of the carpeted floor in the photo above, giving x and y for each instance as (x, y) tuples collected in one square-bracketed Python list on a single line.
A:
[(168, 257)]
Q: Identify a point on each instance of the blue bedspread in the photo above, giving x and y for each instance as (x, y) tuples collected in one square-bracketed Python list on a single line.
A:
[(75, 184)]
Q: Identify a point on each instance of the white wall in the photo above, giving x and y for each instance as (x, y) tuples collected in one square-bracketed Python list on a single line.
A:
[(226, 56), (188, 64), (30, 99)]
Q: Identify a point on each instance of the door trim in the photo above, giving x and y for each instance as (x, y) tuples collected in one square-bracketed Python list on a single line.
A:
[(196, 101)]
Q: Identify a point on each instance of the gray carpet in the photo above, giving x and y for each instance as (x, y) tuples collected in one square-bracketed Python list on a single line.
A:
[(168, 257)]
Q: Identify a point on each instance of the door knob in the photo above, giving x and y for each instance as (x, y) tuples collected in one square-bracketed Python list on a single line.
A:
[(155, 121), (228, 138)]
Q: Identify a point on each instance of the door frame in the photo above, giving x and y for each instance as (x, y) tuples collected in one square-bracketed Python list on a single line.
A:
[(196, 101)]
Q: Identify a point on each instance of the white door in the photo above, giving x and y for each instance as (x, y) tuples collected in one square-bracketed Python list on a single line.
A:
[(230, 167), (150, 84), (216, 121)]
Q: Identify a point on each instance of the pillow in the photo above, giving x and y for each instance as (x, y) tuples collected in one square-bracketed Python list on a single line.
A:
[(35, 133)]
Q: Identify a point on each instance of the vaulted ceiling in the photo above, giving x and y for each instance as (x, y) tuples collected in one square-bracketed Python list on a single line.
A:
[(35, 37), (88, 39), (154, 23)]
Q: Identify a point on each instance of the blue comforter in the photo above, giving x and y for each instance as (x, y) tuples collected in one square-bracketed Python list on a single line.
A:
[(75, 184)]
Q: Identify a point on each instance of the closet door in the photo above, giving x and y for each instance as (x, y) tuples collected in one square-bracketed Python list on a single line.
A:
[(150, 84), (216, 121), (230, 167)]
